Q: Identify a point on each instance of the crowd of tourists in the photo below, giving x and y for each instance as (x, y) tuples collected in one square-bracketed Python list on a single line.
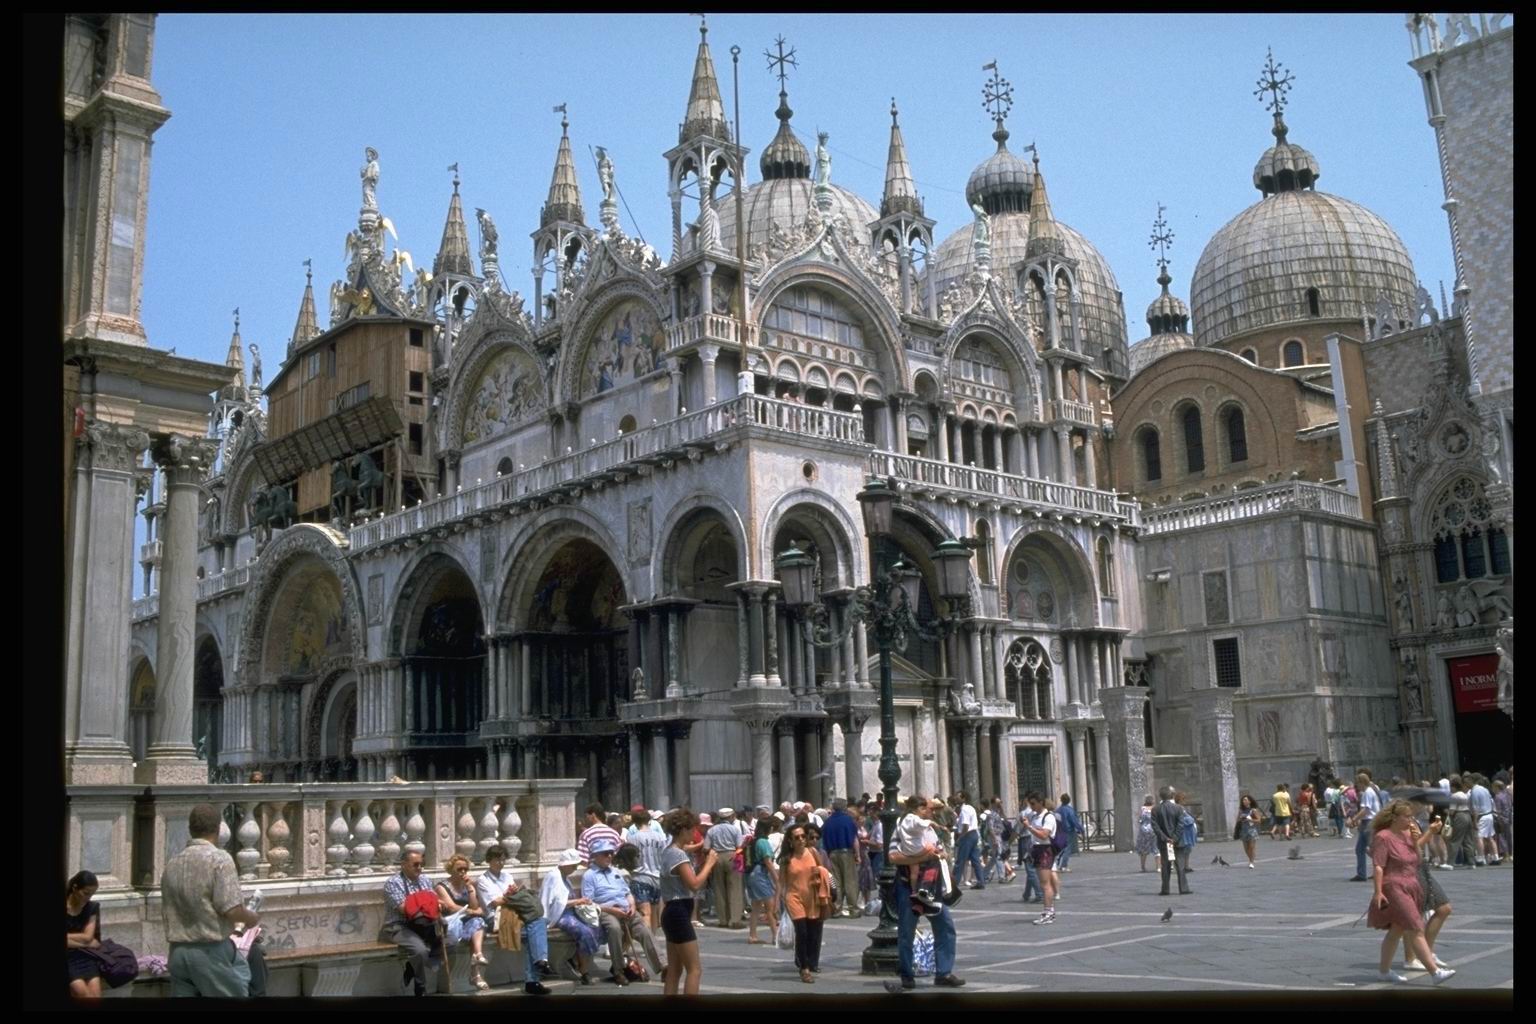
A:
[(789, 870)]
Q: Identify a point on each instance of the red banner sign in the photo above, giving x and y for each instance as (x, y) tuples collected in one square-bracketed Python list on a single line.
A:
[(1474, 681)]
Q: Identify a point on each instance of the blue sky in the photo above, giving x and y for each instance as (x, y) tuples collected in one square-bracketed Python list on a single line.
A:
[(257, 169)]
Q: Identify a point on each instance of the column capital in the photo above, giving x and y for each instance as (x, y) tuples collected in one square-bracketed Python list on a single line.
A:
[(1212, 702), (186, 460), (708, 353), (1120, 703), (143, 480), (115, 448)]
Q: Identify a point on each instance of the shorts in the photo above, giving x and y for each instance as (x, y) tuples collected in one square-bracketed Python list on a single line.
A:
[(644, 892), (677, 922), (1485, 826), (1043, 856), (1282, 820)]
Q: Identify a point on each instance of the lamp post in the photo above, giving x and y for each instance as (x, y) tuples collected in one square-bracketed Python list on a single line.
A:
[(888, 606)]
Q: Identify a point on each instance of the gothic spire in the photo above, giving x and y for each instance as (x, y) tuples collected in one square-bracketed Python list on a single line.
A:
[(1044, 233), (306, 327), (453, 251), (235, 358), (900, 190), (564, 202), (706, 113)]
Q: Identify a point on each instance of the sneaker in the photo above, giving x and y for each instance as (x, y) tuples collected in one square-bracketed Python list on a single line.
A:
[(1250, 864), (1441, 975), (1446, 867), (1046, 918), (926, 898), (1412, 965), (535, 988), (545, 971), (948, 981), (1391, 976), (906, 984), (1066, 871)]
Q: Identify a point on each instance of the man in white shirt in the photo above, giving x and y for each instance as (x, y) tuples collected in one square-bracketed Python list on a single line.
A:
[(967, 840), (1482, 815), (1370, 805)]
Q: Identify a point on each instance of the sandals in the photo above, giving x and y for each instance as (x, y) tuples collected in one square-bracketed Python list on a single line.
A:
[(806, 976), (479, 958), (482, 984), (755, 942)]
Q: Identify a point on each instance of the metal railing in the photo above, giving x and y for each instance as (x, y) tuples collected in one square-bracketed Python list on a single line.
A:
[(1098, 830), (1295, 496), (948, 476)]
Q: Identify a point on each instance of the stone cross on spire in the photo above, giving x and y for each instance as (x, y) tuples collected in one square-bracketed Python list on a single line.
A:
[(1276, 81), (780, 64), (1162, 238), (997, 100)]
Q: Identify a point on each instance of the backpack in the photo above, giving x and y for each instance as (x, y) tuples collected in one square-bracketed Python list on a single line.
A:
[(421, 905), (1007, 830), (1063, 837)]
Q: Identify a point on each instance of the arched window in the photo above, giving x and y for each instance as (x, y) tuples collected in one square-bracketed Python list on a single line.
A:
[(1150, 456), (1237, 435), (1106, 568), (1313, 307), (1467, 544), (984, 551), (1194, 440), (1028, 672), (1251, 355), (1294, 354), (504, 467)]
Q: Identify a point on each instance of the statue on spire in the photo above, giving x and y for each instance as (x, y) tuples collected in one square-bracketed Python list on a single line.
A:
[(487, 234), (823, 162), (370, 176), (608, 209), (255, 367)]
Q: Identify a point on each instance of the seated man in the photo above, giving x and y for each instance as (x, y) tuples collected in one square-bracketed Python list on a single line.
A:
[(418, 940), (498, 892), (606, 887)]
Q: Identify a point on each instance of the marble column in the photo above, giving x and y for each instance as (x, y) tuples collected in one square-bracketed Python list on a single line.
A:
[(771, 612), (850, 653), (1032, 452), (762, 762), (1091, 649), (172, 757), (941, 431), (853, 756), (928, 742), (861, 655), (940, 748), (816, 787), (1082, 787), (1129, 777), (107, 484), (674, 652), (1216, 756), (899, 417), (525, 679), (707, 356), (835, 652), (970, 756), (1074, 694), (1016, 457), (660, 774), (997, 449), (1090, 468), (1105, 790), (755, 611), (956, 441), (743, 640), (1006, 776), (504, 761), (682, 764), (788, 783), (986, 750), (636, 767), (493, 676), (974, 671), (1064, 456)]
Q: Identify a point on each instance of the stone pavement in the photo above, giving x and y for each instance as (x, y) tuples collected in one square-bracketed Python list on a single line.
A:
[(1282, 926)]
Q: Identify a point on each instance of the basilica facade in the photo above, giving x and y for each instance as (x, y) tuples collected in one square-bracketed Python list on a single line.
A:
[(462, 533)]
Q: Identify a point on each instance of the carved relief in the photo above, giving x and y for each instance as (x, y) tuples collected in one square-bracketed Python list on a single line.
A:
[(114, 448), (641, 538)]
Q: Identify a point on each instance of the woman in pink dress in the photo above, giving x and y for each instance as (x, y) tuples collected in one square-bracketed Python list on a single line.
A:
[(1396, 902)]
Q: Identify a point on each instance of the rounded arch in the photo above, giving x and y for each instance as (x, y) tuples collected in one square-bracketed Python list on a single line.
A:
[(664, 566), (534, 546), (208, 697), (1148, 443), (837, 531), (1293, 352), (1008, 343), (851, 288), (926, 386), (432, 567), (141, 705), (1057, 576), (622, 288), (331, 727), (498, 381), (291, 548), (1232, 430), (245, 480), (1189, 429)]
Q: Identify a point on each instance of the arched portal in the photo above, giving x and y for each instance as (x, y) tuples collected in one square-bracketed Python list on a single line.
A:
[(141, 708), (440, 633), (208, 701), (576, 656)]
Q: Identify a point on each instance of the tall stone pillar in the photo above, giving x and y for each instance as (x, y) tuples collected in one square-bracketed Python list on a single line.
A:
[(492, 676), (970, 755), (788, 783), (986, 750), (707, 356), (172, 756), (1064, 456), (673, 619), (1104, 787), (771, 611), (853, 756), (1082, 787), (941, 762), (974, 671), (762, 762), (835, 652), (941, 431), (861, 654), (1005, 773), (997, 450), (899, 418), (743, 640), (1074, 683), (813, 765), (106, 485), (636, 766), (1091, 650), (660, 774), (753, 599), (1090, 468), (1129, 779), (1217, 758), (525, 678)]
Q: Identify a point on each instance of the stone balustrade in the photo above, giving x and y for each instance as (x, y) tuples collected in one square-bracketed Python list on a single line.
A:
[(804, 420), (1072, 412), (1294, 496), (921, 474), (710, 328), (146, 607), (208, 588)]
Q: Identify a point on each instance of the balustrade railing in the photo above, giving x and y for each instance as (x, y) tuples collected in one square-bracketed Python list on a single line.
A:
[(708, 327), (1294, 496), (949, 476), (805, 420), (361, 829), (146, 607), (1075, 412)]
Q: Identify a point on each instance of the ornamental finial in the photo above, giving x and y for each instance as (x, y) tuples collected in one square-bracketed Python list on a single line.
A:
[(1162, 238), (997, 100)]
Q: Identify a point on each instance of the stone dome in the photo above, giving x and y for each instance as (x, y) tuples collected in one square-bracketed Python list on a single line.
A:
[(1147, 351), (786, 202), (1257, 270), (1103, 312), (1002, 182)]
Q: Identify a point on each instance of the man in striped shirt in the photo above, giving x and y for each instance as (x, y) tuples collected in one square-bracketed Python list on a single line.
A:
[(597, 827)]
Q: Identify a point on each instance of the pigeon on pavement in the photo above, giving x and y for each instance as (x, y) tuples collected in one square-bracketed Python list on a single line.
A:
[(1168, 915), (1216, 859), (1295, 853), (1223, 861)]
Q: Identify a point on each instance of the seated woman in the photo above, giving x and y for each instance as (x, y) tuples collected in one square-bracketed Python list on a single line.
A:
[(463, 917), (560, 909), (82, 927)]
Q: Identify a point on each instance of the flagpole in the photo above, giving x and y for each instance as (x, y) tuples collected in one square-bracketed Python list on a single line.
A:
[(746, 381)]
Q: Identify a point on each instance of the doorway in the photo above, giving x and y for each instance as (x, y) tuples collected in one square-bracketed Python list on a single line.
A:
[(1033, 770)]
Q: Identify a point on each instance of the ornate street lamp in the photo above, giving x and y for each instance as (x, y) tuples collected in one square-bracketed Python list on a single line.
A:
[(887, 605)]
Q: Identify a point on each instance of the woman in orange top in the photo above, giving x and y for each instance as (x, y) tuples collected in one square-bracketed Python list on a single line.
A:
[(807, 898)]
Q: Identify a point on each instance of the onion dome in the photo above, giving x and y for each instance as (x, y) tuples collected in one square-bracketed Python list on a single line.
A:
[(1297, 254), (786, 156), (1001, 183), (1168, 318)]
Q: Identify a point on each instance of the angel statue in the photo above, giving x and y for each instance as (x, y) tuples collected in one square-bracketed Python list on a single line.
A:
[(370, 176), (255, 367), (823, 162), (487, 233), (605, 173), (981, 232)]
